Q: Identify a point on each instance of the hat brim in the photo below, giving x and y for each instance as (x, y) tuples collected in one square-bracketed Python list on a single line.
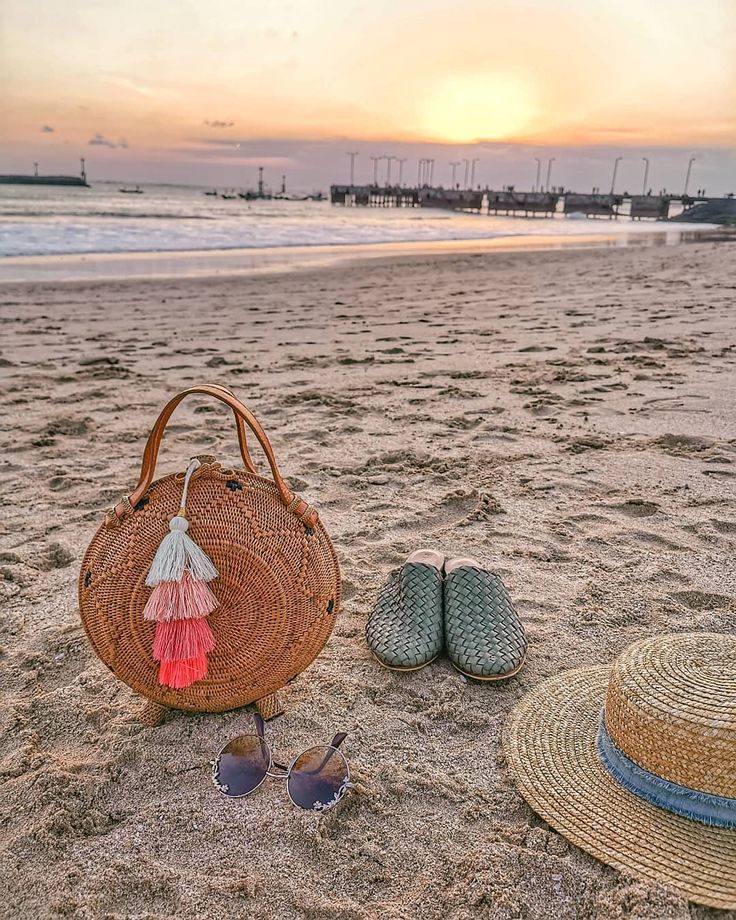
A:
[(549, 740)]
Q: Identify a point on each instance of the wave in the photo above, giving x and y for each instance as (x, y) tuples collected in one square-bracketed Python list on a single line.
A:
[(64, 223), (116, 215)]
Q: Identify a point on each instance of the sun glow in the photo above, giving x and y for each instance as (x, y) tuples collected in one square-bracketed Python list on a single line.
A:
[(473, 107)]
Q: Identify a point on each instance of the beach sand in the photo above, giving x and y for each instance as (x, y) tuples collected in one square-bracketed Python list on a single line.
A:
[(565, 417)]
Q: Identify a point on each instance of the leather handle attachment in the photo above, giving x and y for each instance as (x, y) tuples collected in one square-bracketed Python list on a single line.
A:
[(244, 416)]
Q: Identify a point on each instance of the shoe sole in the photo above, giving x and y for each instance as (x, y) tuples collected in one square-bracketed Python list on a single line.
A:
[(388, 667), (493, 679)]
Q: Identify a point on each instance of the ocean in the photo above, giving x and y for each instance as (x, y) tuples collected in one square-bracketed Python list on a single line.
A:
[(58, 232)]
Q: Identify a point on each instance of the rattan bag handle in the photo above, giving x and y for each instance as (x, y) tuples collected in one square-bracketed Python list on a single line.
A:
[(245, 417), (242, 435)]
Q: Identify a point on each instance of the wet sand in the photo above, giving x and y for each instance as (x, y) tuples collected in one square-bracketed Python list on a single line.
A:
[(565, 417)]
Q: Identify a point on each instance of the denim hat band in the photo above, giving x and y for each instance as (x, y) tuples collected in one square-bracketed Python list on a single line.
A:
[(714, 810)]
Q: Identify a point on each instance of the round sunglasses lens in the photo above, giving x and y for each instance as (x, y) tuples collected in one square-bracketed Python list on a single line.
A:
[(319, 778), (241, 766)]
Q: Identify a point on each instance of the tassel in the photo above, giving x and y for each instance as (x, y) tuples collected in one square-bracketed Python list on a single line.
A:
[(178, 600), (178, 554), (182, 674), (179, 640)]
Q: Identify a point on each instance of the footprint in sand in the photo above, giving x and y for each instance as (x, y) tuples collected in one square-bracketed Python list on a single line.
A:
[(700, 600), (54, 556), (487, 506), (725, 527), (636, 508)]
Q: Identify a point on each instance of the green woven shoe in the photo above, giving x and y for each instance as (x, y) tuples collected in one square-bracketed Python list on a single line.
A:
[(484, 636), (404, 630)]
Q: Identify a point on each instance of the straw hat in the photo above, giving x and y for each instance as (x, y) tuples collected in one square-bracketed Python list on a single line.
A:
[(636, 763)]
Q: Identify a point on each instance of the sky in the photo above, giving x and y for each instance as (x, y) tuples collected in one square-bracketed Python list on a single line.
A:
[(204, 92)]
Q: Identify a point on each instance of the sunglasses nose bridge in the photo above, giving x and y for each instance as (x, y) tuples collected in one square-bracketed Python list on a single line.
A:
[(284, 774)]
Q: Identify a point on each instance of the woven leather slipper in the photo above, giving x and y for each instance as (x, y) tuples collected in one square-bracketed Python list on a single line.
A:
[(484, 636), (405, 631)]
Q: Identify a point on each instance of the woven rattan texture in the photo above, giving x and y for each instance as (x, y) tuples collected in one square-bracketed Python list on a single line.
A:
[(549, 743), (405, 629), (278, 588), (671, 708), (483, 633)]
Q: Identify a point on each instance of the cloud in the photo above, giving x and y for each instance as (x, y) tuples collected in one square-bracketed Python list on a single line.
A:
[(99, 140), (47, 129), (125, 83), (138, 89), (219, 124)]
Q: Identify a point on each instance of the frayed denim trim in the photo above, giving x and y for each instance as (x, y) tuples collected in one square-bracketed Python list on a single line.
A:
[(714, 810)]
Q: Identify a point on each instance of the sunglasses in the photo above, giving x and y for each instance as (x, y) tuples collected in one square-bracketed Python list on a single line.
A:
[(316, 779)]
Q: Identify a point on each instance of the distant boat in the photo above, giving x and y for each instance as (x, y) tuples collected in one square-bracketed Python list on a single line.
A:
[(212, 193), (228, 197), (315, 196), (131, 191), (250, 195)]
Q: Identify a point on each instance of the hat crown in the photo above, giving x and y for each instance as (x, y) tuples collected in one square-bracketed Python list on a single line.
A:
[(671, 709)]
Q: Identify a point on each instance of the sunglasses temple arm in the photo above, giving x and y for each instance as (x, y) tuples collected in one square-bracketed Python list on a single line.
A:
[(334, 744), (260, 724)]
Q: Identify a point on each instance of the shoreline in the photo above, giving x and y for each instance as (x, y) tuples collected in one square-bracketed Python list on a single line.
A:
[(288, 259)]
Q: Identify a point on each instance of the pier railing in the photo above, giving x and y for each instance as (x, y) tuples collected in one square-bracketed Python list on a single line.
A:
[(509, 201)]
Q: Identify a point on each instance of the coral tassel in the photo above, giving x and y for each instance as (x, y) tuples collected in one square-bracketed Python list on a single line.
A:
[(178, 600), (182, 674), (179, 640)]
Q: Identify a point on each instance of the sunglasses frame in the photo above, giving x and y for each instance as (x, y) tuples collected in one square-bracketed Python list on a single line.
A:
[(337, 740)]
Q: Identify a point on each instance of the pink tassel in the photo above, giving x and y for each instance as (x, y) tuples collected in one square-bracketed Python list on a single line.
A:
[(179, 600), (182, 674), (179, 640)]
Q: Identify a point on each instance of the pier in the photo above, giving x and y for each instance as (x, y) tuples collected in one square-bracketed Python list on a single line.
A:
[(513, 203), (79, 181)]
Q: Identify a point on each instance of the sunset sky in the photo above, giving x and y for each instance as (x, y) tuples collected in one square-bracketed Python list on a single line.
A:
[(197, 91)]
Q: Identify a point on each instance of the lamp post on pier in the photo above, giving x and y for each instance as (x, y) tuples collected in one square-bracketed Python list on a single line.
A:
[(550, 161), (615, 170), (454, 164), (352, 154), (537, 187), (388, 170), (687, 175), (472, 171), (467, 167), (400, 161), (646, 175), (375, 160)]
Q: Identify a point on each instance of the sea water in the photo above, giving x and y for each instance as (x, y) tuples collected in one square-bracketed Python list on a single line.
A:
[(52, 221)]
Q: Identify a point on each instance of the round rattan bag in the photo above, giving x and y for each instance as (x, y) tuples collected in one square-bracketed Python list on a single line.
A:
[(209, 590)]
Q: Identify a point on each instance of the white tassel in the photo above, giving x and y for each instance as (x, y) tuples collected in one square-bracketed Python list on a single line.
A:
[(179, 553)]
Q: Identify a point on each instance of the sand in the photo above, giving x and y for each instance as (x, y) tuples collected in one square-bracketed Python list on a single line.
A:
[(565, 417)]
